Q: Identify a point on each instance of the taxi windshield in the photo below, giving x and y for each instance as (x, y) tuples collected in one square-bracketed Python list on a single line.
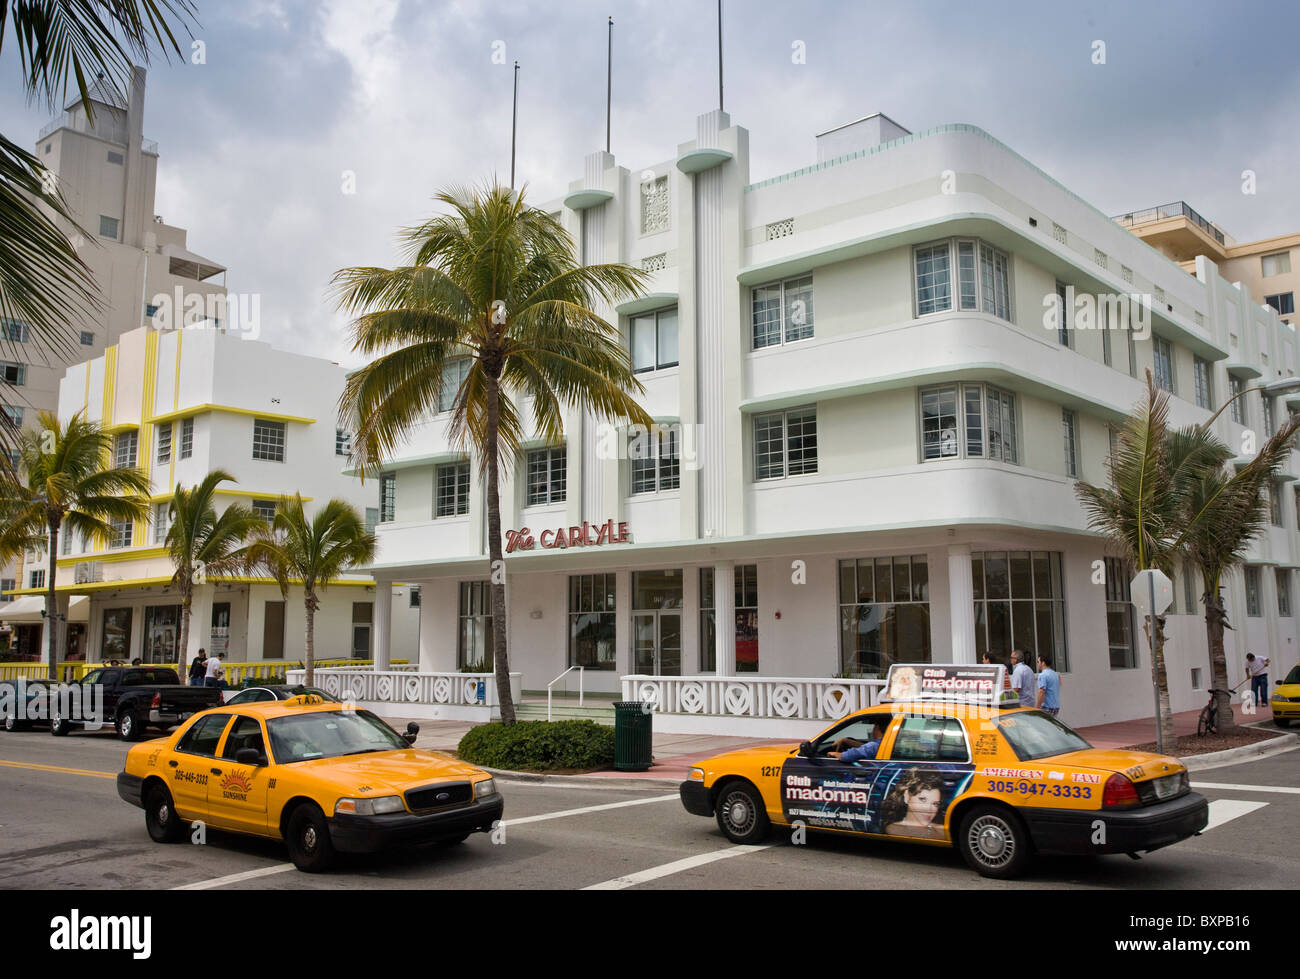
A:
[(1035, 735), (1293, 676), (329, 734)]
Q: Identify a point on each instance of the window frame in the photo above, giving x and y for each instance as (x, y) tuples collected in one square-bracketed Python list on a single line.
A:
[(1253, 583), (1156, 348), (1000, 282), (270, 448), (460, 490), (801, 283), (1284, 305), (185, 449), (653, 314), (1282, 578), (964, 421), (126, 459), (387, 497), (18, 371), (784, 415), (1203, 382), (1070, 426), (163, 457), (554, 465), (665, 469)]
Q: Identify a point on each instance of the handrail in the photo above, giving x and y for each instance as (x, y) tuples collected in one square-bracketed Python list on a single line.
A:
[(557, 680)]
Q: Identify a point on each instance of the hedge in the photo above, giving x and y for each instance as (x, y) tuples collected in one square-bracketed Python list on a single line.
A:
[(539, 745)]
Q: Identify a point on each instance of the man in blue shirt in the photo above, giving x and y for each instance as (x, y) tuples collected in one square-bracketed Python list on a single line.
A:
[(1049, 686), (849, 750), (1022, 678)]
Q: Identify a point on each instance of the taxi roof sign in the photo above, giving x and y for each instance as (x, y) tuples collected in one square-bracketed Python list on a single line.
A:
[(304, 700), (966, 683)]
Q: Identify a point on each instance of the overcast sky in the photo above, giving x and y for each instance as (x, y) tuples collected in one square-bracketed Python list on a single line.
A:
[(406, 95)]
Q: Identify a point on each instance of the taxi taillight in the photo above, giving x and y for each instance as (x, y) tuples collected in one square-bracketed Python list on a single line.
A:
[(1119, 792), (156, 702)]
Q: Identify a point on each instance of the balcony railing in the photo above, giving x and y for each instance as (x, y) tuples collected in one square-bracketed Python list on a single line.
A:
[(112, 133), (1178, 209)]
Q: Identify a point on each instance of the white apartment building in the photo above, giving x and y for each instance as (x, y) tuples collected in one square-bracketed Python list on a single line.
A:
[(107, 172), (872, 425), (181, 403)]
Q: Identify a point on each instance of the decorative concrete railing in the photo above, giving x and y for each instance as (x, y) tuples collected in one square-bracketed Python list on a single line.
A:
[(750, 705), (407, 693)]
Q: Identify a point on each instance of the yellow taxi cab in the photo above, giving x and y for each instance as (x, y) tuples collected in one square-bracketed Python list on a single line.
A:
[(324, 777), (1285, 702), (947, 761)]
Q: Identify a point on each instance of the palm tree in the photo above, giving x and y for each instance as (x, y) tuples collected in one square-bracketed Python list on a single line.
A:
[(65, 482), (495, 282), (314, 552), (202, 545), (43, 283), (1230, 512)]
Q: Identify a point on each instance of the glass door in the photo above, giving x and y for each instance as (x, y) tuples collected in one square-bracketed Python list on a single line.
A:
[(657, 643)]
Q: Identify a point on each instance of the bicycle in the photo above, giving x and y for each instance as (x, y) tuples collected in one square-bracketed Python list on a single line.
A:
[(1208, 723)]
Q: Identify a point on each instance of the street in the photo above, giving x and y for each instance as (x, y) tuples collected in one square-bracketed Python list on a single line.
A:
[(65, 827)]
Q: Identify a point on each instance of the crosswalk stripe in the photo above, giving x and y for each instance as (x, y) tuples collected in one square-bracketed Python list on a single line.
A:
[(1228, 787), (676, 867), (1225, 810)]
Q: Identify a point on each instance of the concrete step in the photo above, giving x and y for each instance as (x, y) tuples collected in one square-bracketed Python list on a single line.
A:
[(565, 712)]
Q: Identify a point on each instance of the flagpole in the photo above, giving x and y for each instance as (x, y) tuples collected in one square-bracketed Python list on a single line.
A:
[(609, 82), (514, 128), (719, 55)]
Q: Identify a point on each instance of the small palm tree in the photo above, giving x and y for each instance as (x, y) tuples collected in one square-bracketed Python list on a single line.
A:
[(202, 545), (314, 552), (494, 282), (64, 484)]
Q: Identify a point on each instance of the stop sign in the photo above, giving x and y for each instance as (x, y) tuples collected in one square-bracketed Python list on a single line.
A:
[(1141, 586)]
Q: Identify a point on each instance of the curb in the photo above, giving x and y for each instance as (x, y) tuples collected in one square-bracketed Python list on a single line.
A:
[(584, 781), (1251, 752)]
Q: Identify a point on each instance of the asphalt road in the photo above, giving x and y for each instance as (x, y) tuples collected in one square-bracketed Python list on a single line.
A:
[(62, 825)]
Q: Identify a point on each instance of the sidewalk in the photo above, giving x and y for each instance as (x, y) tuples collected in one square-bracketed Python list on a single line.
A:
[(675, 753)]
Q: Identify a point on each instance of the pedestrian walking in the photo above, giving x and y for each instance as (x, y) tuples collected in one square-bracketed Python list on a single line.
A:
[(1023, 681), (1049, 686), (1257, 670)]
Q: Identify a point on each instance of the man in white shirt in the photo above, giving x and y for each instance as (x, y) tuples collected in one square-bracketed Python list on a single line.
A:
[(214, 675), (1022, 678), (1257, 670)]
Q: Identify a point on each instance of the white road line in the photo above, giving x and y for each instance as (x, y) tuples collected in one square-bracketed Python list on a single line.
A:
[(1224, 810), (205, 885), (578, 812), (676, 867), (1223, 786)]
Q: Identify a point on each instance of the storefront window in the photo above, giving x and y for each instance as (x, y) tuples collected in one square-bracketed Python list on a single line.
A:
[(1119, 616), (657, 622), (219, 639), (162, 625), (884, 614), (746, 620), (1019, 602), (474, 634), (592, 621)]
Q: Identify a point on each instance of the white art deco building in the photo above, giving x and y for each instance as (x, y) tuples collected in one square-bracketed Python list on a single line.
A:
[(872, 423)]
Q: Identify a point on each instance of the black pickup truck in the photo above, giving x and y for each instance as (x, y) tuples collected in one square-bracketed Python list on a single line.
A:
[(136, 698)]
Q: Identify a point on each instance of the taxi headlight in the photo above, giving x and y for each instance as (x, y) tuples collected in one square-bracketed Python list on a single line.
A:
[(370, 807), (485, 788), (697, 775)]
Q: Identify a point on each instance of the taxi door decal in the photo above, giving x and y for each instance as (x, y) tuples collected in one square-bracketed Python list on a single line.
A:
[(828, 793)]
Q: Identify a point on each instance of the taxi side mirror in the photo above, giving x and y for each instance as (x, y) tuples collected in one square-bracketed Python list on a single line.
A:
[(250, 756), (806, 750), (412, 730)]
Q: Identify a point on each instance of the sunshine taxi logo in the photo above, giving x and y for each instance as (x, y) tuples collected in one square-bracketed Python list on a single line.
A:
[(236, 786)]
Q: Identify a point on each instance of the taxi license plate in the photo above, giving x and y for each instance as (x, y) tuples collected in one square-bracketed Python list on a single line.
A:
[(1167, 786)]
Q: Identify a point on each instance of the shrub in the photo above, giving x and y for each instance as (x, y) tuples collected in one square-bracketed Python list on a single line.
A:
[(539, 745)]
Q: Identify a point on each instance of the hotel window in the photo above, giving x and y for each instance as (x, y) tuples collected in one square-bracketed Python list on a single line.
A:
[(1163, 355), (119, 534), (1190, 578), (7, 585), (268, 440), (1238, 409), (1112, 440), (164, 454), (1132, 353), (13, 416), (653, 338), (1103, 324), (413, 598), (342, 442), (36, 579), (785, 443), (87, 338), (1269, 426), (708, 623), (1201, 373), (454, 373), (982, 426), (1252, 591), (474, 648), (372, 519), (161, 522), (13, 374), (1064, 316), (265, 509), (1283, 592), (1275, 503), (592, 621), (13, 331), (451, 492), (107, 227), (655, 457), (983, 278), (187, 439), (1277, 264), (1019, 601), (1071, 452), (884, 613), (548, 473), (783, 312), (1283, 302), (124, 449), (65, 542), (387, 497)]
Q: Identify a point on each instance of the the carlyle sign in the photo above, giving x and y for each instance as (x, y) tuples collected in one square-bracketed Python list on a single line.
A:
[(584, 535)]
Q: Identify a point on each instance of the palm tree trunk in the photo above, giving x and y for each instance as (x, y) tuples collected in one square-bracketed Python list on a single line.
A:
[(1166, 719), (1215, 618), (52, 631), (183, 641), (500, 656), (310, 603)]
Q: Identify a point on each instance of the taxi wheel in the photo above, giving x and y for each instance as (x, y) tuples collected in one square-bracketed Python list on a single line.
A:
[(994, 842), (741, 815), (160, 816), (310, 847)]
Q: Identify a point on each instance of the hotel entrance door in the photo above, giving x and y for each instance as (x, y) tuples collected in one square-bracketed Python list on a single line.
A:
[(657, 622)]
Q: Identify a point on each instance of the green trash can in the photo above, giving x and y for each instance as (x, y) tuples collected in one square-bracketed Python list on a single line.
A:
[(633, 735)]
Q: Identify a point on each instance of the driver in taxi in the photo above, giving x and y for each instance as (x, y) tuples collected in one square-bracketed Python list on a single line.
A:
[(851, 749)]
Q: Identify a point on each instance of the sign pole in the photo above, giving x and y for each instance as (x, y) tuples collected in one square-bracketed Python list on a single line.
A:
[(1155, 677)]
